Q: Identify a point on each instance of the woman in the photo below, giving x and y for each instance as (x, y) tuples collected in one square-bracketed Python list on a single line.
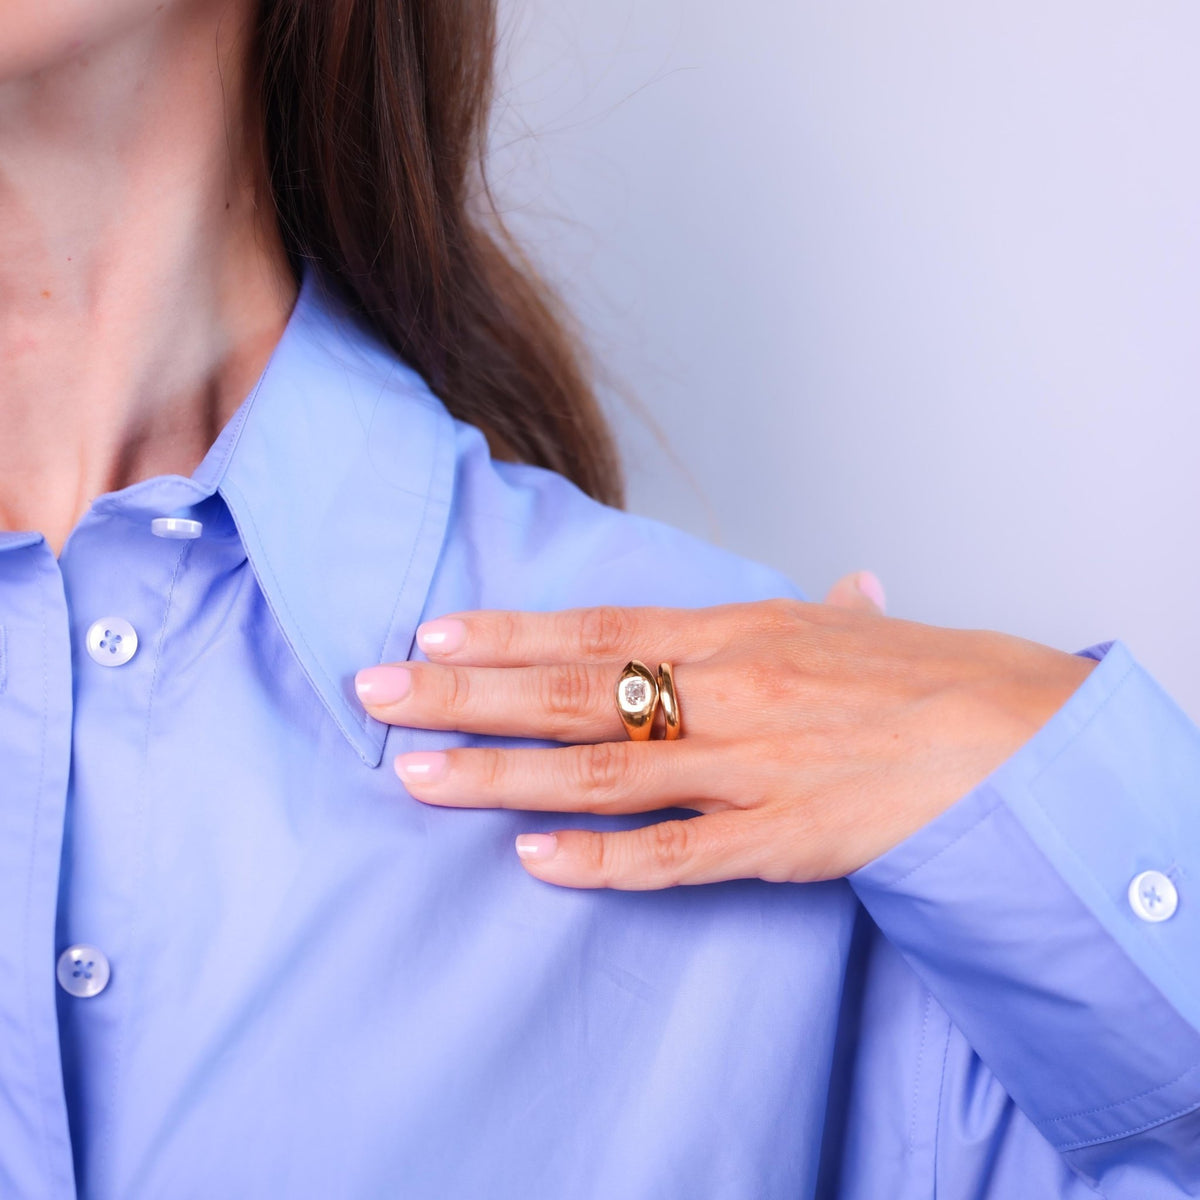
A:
[(254, 330)]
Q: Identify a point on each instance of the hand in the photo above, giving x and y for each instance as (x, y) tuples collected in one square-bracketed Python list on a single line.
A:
[(815, 736)]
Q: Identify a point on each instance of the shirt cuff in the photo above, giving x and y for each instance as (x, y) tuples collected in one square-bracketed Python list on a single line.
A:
[(1014, 906)]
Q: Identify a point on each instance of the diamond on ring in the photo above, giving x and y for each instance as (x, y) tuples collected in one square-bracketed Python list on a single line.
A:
[(637, 699)]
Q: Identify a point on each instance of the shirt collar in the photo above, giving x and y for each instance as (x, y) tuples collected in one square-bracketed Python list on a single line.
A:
[(338, 470)]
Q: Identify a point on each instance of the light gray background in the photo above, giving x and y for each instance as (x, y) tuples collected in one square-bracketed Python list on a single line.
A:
[(909, 286)]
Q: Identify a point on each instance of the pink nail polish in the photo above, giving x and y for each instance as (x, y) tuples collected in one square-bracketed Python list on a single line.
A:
[(537, 847), (422, 766), (869, 585), (383, 685), (443, 636)]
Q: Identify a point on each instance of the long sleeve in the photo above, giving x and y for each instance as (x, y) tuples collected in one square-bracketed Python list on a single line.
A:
[(1054, 912)]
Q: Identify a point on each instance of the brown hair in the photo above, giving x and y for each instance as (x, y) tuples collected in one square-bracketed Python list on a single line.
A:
[(375, 119)]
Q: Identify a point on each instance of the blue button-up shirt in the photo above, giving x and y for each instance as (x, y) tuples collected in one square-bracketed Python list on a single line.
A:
[(323, 988)]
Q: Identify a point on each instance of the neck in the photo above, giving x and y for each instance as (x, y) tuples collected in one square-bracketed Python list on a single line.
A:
[(143, 283)]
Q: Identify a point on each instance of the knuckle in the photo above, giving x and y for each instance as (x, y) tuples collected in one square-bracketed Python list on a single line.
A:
[(603, 769), (456, 692), (506, 633), (596, 857), (603, 632), (771, 684), (566, 690), (490, 762), (782, 615), (668, 846)]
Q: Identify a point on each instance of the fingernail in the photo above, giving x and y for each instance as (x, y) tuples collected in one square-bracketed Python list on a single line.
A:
[(423, 766), (383, 685), (868, 583), (443, 636), (537, 847)]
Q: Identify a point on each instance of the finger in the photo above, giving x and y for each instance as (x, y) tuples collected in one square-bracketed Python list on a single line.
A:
[(861, 591), (586, 635), (566, 702), (608, 777), (705, 849)]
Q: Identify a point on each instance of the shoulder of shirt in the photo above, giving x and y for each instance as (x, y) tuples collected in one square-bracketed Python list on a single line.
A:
[(526, 523), (573, 550)]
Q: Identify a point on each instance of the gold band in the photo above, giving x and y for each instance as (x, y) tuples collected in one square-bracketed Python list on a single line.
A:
[(639, 693), (670, 701), (637, 700)]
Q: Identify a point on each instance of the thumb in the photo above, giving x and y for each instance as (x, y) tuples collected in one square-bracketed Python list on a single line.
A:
[(860, 590)]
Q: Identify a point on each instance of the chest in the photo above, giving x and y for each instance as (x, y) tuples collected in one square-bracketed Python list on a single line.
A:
[(338, 986)]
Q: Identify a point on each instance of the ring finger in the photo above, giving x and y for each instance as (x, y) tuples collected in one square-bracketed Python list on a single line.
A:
[(567, 702)]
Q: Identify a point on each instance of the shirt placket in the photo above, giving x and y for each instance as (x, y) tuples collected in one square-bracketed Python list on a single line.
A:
[(35, 757), (119, 569)]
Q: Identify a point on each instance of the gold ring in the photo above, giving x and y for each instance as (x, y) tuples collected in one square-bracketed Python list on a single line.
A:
[(670, 701), (637, 700)]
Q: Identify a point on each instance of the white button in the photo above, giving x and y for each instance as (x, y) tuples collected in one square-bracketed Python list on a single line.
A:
[(82, 970), (1153, 896), (176, 527), (112, 641)]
